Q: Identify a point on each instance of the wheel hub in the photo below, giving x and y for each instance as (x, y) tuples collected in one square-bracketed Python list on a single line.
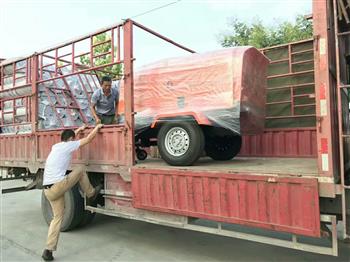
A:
[(177, 141)]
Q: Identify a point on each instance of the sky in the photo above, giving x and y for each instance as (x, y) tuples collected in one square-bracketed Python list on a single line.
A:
[(27, 26)]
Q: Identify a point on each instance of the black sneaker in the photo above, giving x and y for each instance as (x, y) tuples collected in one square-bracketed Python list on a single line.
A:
[(47, 255), (92, 200)]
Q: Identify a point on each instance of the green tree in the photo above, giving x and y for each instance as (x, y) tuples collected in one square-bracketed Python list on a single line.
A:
[(114, 71), (258, 35)]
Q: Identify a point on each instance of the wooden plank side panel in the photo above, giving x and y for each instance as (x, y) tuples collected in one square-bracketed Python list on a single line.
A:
[(288, 204)]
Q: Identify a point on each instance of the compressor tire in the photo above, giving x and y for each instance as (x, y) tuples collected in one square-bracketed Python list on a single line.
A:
[(180, 143), (141, 154), (223, 148)]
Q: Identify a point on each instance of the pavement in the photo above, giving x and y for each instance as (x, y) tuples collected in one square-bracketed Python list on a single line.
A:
[(23, 233)]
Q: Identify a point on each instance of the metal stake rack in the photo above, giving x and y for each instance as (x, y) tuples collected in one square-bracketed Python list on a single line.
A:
[(342, 40)]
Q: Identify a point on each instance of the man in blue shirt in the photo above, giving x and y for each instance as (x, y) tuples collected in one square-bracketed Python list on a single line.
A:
[(104, 102)]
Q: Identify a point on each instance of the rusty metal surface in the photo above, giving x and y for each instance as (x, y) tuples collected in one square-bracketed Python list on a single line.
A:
[(277, 166), (277, 203), (107, 148), (290, 125), (325, 83), (341, 32), (129, 93), (16, 147), (291, 91), (298, 142), (117, 192)]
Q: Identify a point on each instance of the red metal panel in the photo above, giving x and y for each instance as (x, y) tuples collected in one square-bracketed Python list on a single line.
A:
[(281, 143), (325, 87), (16, 147), (118, 191), (129, 92), (277, 203), (107, 148)]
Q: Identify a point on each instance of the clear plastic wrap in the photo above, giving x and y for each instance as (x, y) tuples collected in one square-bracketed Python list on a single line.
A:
[(224, 88), (81, 87), (20, 74)]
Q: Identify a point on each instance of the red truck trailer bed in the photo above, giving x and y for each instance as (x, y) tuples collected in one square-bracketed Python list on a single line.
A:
[(278, 194), (261, 165), (300, 195)]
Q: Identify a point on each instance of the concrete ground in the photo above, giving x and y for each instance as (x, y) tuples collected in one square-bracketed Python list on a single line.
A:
[(23, 234)]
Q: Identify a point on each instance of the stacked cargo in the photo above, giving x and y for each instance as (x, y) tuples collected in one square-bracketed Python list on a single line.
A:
[(14, 89), (62, 102)]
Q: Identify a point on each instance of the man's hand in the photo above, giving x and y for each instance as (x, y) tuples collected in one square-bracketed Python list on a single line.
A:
[(116, 119), (83, 127), (80, 129), (98, 121), (91, 136)]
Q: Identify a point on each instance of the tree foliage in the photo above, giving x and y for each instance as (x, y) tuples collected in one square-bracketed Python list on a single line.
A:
[(258, 35), (114, 71)]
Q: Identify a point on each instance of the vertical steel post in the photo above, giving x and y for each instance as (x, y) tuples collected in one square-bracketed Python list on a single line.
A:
[(41, 66), (129, 93), (340, 119), (13, 74), (290, 58), (56, 62), (34, 102), (34, 106), (73, 57), (118, 43), (91, 51), (327, 135), (112, 45)]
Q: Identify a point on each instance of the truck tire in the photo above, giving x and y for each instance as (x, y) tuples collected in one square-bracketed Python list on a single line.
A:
[(223, 148), (73, 209), (87, 218), (180, 143)]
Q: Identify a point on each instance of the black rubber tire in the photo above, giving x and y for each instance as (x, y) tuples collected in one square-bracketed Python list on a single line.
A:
[(223, 148), (73, 211), (141, 154), (87, 218), (196, 145)]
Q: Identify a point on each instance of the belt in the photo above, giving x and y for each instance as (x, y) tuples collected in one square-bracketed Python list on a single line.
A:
[(48, 186), (105, 115)]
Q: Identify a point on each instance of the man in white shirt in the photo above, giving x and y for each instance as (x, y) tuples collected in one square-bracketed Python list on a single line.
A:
[(56, 182)]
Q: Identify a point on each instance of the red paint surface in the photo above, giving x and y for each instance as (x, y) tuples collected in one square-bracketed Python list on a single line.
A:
[(324, 145), (322, 91), (16, 147), (276, 203), (299, 142), (119, 191), (107, 148)]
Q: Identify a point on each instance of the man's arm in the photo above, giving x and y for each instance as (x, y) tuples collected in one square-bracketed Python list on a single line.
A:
[(98, 121), (116, 106), (86, 140), (77, 131), (116, 112), (94, 99)]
